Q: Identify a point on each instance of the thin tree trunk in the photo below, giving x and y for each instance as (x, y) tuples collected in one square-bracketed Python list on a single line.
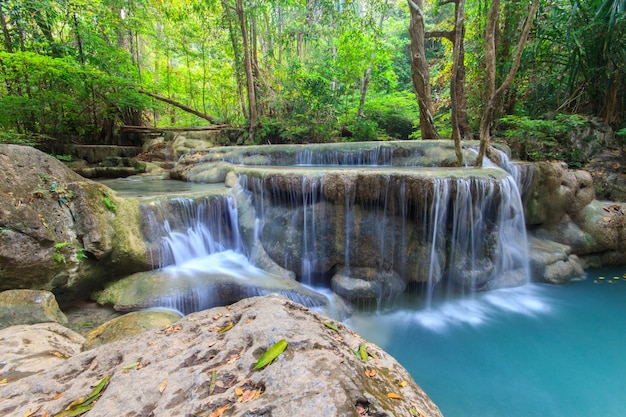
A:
[(420, 71), (365, 80), (454, 80), (252, 106), (8, 44), (492, 95), (179, 105), (237, 63)]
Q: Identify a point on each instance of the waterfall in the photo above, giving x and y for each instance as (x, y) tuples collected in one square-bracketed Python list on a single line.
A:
[(378, 156), (179, 230), (465, 231)]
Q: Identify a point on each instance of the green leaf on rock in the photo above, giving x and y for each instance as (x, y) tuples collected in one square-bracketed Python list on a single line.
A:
[(271, 354), (83, 405), (331, 326), (363, 352)]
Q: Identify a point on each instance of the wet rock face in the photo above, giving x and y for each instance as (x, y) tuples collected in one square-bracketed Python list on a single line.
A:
[(57, 229), (561, 208), (205, 364)]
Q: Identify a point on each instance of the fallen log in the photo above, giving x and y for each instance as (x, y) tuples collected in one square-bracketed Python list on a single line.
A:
[(148, 129), (179, 105)]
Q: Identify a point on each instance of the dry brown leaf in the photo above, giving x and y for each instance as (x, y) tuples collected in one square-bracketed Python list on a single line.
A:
[(402, 384), (31, 412), (93, 364), (173, 329), (217, 316), (249, 395), (45, 414), (370, 372), (239, 391), (163, 386), (59, 395), (233, 358), (219, 411), (394, 396), (4, 381), (58, 354)]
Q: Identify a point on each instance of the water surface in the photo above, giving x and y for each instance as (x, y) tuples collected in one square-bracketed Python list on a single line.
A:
[(537, 350)]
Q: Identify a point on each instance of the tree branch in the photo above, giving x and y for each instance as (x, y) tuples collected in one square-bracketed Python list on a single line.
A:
[(449, 35)]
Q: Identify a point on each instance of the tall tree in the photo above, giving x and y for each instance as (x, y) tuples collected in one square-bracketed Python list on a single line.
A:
[(457, 78), (253, 118), (420, 71), (492, 95)]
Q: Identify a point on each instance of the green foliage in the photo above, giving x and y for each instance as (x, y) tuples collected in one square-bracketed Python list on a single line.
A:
[(108, 202), (64, 158), (394, 114), (61, 251), (543, 139)]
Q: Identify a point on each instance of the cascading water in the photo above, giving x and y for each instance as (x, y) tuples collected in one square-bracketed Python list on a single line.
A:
[(353, 223), (197, 245), (466, 231), (183, 229)]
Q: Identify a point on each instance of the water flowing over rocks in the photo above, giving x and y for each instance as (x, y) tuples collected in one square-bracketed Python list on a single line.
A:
[(205, 362)]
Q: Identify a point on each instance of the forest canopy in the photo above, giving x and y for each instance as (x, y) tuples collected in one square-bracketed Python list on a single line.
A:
[(304, 70)]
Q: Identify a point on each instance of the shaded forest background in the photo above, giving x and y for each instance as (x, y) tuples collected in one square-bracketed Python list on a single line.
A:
[(305, 70)]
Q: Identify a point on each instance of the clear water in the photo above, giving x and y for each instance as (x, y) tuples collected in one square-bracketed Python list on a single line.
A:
[(146, 186), (537, 350)]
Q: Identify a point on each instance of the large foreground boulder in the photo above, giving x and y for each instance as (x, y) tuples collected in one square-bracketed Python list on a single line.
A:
[(60, 231), (205, 365)]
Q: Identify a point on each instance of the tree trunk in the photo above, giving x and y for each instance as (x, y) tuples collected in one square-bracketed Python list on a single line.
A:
[(420, 71), (8, 44), (238, 64), (252, 107), (365, 80), (492, 95), (454, 80)]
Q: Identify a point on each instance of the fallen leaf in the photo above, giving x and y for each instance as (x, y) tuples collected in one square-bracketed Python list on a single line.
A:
[(93, 364), (31, 412), (217, 316), (4, 381), (59, 395), (370, 372), (248, 395), (226, 328), (213, 382), (331, 326), (219, 411), (271, 354), (415, 411), (163, 386), (363, 352), (131, 366), (233, 358), (238, 391), (59, 354), (394, 396), (402, 384)]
